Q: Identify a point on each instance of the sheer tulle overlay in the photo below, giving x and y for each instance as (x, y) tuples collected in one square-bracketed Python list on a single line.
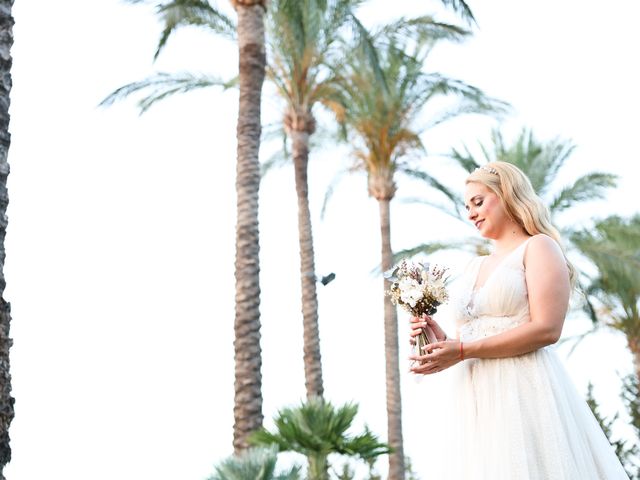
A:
[(518, 418)]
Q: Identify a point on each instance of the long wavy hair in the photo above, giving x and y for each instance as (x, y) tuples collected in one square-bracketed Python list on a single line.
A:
[(520, 201)]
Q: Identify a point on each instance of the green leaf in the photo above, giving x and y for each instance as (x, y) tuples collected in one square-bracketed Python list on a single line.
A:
[(163, 85), (587, 187), (258, 463), (198, 13)]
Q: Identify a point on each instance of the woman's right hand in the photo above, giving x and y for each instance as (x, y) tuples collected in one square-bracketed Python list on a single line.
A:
[(428, 323)]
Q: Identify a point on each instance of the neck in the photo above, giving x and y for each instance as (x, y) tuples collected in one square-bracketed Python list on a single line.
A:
[(509, 239)]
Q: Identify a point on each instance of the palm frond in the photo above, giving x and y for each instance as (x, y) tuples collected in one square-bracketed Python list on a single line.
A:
[(471, 245), (539, 161), (467, 106), (162, 85), (461, 8), (331, 190), (464, 159), (435, 184), (452, 212), (177, 13), (475, 100), (614, 248), (366, 446), (367, 46), (423, 30), (577, 339), (588, 187), (316, 427), (257, 463)]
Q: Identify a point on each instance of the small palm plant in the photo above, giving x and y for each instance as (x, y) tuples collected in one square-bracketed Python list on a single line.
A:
[(256, 463), (317, 429)]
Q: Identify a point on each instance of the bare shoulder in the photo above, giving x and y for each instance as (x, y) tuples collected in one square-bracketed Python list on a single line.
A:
[(543, 252)]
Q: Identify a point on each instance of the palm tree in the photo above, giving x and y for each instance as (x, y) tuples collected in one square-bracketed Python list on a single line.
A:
[(256, 463), (613, 245), (624, 451), (302, 41), (540, 161), (380, 103), (249, 32), (317, 429), (248, 358), (6, 400), (304, 44), (305, 48)]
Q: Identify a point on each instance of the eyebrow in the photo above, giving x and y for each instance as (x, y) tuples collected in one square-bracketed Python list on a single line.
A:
[(466, 206)]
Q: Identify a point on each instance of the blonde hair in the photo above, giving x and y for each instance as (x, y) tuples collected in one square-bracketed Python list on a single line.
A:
[(520, 201)]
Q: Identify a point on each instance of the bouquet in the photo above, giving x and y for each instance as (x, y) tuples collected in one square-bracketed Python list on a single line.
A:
[(419, 288)]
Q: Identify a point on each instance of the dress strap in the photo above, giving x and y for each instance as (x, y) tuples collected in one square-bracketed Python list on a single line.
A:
[(521, 249)]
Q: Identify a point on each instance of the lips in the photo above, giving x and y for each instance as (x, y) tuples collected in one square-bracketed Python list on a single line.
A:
[(478, 223)]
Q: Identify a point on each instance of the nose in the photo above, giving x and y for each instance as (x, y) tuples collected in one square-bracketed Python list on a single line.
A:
[(471, 214)]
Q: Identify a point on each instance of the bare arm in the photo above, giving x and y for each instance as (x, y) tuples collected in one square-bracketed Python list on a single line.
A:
[(548, 288)]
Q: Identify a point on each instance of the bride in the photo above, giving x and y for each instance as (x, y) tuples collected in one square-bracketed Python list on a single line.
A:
[(518, 415)]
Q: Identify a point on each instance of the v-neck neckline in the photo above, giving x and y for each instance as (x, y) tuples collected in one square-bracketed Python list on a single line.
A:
[(475, 288)]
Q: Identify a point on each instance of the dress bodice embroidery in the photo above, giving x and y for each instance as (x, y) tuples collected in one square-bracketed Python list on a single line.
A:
[(500, 304)]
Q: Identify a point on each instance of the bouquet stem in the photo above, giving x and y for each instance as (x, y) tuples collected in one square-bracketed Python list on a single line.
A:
[(424, 338)]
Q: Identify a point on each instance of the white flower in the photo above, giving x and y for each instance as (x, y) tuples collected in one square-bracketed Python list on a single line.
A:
[(410, 291)]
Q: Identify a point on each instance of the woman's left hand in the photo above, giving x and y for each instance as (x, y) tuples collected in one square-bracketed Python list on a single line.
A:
[(437, 357)]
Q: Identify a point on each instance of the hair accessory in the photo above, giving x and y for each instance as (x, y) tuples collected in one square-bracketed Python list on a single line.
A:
[(487, 169)]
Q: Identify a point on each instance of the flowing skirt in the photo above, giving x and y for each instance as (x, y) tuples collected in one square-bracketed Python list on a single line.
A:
[(521, 418)]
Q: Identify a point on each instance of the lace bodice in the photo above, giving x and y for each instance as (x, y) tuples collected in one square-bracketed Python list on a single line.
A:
[(498, 305)]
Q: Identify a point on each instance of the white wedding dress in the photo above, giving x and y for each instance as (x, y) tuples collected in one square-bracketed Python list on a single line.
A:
[(519, 418)]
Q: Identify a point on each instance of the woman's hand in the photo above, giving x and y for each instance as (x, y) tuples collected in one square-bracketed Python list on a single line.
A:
[(437, 357), (430, 325)]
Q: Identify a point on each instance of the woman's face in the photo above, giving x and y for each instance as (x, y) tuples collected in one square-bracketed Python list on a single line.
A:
[(485, 210)]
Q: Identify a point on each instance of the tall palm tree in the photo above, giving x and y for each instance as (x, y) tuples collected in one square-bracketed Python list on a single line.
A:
[(542, 162), (249, 33), (317, 429), (613, 245), (248, 357), (6, 400), (305, 48), (380, 104), (303, 45)]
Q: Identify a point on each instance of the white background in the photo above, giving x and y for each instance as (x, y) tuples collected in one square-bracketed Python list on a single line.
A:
[(120, 245)]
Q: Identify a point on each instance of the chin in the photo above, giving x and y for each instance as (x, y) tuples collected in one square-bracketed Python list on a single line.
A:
[(487, 234)]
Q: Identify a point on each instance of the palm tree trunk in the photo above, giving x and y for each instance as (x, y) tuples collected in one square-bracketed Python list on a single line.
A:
[(312, 358), (318, 467), (248, 356), (6, 400), (394, 405), (634, 346)]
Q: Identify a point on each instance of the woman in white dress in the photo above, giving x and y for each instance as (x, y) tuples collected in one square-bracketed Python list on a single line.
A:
[(518, 415)]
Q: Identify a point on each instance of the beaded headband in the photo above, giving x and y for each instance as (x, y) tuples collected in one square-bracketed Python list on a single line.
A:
[(487, 169)]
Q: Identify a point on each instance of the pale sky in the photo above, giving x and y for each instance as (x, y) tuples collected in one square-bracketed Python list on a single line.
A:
[(120, 245)]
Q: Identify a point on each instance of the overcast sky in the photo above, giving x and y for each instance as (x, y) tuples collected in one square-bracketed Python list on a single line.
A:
[(121, 234)]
